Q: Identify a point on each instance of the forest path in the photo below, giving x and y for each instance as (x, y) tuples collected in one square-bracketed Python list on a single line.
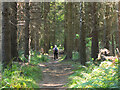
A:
[(55, 73)]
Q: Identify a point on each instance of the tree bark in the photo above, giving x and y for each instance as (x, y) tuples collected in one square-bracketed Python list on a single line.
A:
[(13, 27), (118, 35), (37, 41), (54, 25), (46, 31), (76, 26), (95, 47), (107, 29), (27, 20), (70, 32), (6, 36), (113, 52), (82, 51), (65, 29)]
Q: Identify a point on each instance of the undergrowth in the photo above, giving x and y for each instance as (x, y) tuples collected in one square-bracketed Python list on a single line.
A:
[(21, 77), (39, 59), (104, 75), (24, 75), (36, 57), (75, 55)]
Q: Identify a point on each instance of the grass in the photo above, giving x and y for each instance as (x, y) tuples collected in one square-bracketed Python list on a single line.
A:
[(62, 58), (21, 77), (0, 80), (32, 72), (75, 55), (91, 76), (24, 76), (36, 57), (0, 74)]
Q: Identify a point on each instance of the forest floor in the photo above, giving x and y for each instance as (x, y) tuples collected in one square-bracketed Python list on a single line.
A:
[(55, 73)]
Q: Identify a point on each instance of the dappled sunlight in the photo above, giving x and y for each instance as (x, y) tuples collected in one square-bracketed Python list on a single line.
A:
[(63, 74), (55, 73), (51, 56), (53, 85), (0, 77), (51, 44), (42, 65), (67, 68), (59, 70), (57, 65)]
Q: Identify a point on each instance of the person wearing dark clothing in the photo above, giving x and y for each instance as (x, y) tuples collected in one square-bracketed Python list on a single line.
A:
[(55, 51)]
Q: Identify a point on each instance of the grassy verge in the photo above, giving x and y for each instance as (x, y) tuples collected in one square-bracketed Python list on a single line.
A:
[(25, 75), (0, 74), (104, 75), (32, 72), (21, 77), (0, 80), (36, 57)]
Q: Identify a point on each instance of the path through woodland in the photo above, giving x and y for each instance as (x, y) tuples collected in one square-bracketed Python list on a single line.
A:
[(55, 73)]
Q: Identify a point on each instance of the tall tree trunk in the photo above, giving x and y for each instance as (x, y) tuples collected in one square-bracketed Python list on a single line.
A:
[(39, 29), (13, 27), (6, 37), (70, 32), (118, 35), (95, 47), (46, 31), (27, 20), (82, 51), (113, 52), (54, 24), (1, 34), (37, 41), (73, 23), (107, 29), (76, 26), (32, 37), (48, 36), (65, 28)]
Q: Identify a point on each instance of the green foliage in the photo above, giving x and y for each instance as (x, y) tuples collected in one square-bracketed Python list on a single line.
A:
[(62, 58), (103, 76), (56, 19), (44, 58), (77, 36), (32, 72), (51, 49), (58, 46), (36, 57), (0, 74), (24, 76), (16, 78), (23, 58), (75, 55), (88, 47)]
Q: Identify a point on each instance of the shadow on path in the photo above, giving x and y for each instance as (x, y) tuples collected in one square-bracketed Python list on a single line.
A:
[(55, 74)]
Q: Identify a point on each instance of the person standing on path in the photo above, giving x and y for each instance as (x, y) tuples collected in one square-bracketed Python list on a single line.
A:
[(55, 51)]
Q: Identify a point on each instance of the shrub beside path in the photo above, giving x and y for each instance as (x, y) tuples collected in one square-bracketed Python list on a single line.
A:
[(55, 73)]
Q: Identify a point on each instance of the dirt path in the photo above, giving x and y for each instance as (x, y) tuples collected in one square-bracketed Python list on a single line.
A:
[(55, 74)]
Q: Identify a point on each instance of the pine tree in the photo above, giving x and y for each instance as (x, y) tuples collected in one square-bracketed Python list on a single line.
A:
[(6, 36), (27, 20), (13, 29), (82, 51), (95, 47)]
